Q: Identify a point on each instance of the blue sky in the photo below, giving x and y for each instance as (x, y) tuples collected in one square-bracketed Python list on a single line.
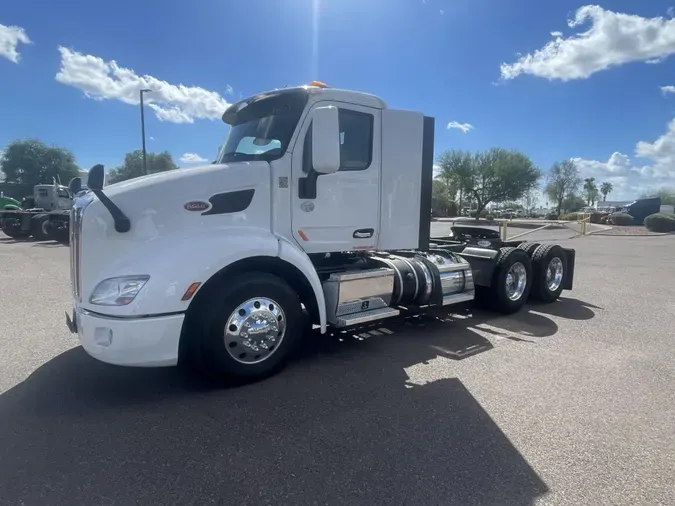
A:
[(601, 90)]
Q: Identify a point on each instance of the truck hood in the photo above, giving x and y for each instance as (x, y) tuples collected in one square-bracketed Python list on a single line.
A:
[(160, 178), (169, 210)]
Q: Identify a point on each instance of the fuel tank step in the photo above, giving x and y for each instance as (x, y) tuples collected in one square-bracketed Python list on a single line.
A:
[(365, 317)]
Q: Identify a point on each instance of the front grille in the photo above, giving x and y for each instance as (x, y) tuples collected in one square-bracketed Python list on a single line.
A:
[(76, 250), (75, 234)]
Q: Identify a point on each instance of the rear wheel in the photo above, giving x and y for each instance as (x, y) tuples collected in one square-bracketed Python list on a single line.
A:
[(548, 269), (529, 247), (39, 227), (246, 328), (511, 281), (12, 228)]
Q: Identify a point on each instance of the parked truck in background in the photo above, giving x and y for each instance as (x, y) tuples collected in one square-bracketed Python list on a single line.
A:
[(45, 215), (317, 210), (641, 208)]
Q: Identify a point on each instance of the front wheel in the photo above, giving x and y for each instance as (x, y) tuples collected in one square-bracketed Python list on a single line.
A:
[(39, 227), (247, 327)]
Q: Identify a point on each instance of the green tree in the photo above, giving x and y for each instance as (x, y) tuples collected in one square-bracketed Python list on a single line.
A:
[(563, 181), (133, 165), (31, 162), (573, 203), (441, 204), (447, 177), (497, 175), (606, 189), (590, 190), (666, 193), (530, 200)]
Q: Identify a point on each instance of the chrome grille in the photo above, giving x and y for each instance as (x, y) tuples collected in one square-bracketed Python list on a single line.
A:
[(75, 250), (76, 213)]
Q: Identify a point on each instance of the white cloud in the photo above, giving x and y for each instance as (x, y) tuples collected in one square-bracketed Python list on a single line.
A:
[(556, 34), (192, 158), (464, 127), (102, 80), (10, 38), (667, 89), (655, 61), (631, 179), (613, 39)]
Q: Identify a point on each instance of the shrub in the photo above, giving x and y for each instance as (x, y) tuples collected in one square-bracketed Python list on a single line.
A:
[(489, 217), (622, 219), (569, 217), (660, 222), (482, 214)]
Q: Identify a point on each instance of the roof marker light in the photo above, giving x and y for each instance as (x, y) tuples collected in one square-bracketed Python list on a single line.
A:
[(318, 84)]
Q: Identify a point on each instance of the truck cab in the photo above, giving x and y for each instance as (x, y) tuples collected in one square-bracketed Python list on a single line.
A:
[(317, 205), (51, 197)]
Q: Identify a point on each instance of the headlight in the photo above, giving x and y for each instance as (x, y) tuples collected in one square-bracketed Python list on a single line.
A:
[(118, 291)]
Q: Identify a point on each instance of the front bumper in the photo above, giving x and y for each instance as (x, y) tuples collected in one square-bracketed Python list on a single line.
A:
[(150, 341)]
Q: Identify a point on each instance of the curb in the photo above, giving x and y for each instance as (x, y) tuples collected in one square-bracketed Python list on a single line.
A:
[(494, 223), (653, 234)]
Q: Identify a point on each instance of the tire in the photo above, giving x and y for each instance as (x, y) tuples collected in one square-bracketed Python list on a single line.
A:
[(62, 235), (39, 227), (12, 228), (218, 348), (529, 247), (548, 259), (497, 296)]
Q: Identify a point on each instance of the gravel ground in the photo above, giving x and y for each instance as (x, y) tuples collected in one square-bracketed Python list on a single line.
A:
[(569, 403)]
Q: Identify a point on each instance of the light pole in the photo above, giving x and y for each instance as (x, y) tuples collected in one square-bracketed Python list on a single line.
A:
[(145, 163)]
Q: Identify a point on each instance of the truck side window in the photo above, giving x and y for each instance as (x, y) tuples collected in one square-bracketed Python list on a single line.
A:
[(356, 139), (63, 193)]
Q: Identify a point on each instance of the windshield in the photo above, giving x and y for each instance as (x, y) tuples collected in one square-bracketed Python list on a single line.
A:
[(262, 126)]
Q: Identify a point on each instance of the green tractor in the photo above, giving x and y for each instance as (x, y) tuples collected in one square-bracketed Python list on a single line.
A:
[(9, 204)]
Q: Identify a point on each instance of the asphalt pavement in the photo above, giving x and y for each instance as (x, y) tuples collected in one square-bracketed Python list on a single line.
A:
[(568, 403)]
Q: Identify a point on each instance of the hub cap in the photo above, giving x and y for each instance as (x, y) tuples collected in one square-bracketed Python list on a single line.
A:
[(516, 281), (554, 274), (254, 330)]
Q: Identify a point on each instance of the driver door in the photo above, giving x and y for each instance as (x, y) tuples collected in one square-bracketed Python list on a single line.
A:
[(340, 211)]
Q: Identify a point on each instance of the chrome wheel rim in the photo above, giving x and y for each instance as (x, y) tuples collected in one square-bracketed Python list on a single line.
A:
[(554, 274), (254, 330), (45, 227), (516, 281)]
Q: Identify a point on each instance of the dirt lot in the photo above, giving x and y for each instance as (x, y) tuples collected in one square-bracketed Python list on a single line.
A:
[(570, 403)]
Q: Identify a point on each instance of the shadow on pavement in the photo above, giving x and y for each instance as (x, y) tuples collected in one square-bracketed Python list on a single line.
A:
[(570, 309), (341, 425)]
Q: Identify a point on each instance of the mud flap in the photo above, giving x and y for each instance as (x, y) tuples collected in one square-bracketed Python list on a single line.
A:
[(568, 278)]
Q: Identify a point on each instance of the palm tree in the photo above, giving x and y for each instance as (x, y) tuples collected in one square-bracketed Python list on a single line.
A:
[(591, 190), (606, 189)]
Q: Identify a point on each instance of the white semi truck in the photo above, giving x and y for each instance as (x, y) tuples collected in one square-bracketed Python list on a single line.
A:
[(315, 212)]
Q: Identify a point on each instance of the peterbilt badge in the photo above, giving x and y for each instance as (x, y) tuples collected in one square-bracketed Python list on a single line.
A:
[(196, 205)]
